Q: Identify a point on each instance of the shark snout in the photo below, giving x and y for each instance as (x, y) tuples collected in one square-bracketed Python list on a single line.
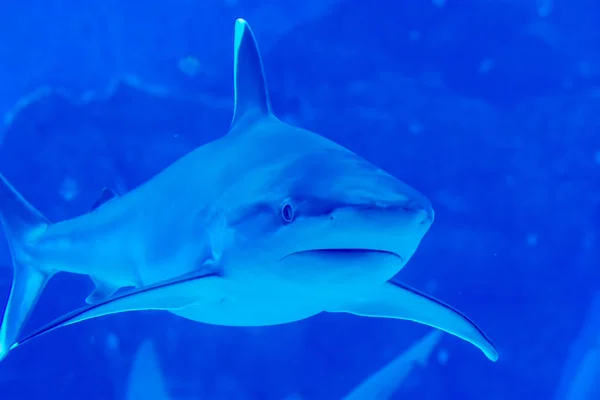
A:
[(417, 209), (408, 202), (384, 192), (422, 209)]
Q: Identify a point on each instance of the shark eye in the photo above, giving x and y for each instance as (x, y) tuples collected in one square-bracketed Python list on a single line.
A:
[(287, 213)]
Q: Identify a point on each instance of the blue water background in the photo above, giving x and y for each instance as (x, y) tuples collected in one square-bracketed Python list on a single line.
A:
[(490, 108)]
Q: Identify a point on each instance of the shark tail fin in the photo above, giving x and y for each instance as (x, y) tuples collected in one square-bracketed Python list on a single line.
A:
[(22, 225)]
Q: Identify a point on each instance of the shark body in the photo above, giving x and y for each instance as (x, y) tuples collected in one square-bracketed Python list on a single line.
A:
[(267, 225)]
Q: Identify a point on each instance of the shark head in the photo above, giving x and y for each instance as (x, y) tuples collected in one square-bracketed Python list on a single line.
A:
[(328, 215), (309, 209), (335, 203)]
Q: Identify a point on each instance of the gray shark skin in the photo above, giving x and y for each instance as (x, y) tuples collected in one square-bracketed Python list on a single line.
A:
[(267, 225)]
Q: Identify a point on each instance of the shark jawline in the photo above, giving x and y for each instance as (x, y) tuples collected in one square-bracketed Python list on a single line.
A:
[(349, 252)]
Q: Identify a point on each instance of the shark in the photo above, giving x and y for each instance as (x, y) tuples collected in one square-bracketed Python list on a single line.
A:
[(147, 381), (269, 224), (385, 382)]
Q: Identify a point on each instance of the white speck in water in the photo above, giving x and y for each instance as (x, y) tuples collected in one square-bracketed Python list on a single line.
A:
[(112, 342), (588, 240), (189, 66), (415, 128), (69, 189), (431, 286), (442, 356), (486, 66), (544, 7), (585, 68), (532, 239), (294, 396), (509, 180)]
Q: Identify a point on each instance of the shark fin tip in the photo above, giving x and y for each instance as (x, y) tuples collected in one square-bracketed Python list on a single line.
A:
[(492, 354), (5, 350)]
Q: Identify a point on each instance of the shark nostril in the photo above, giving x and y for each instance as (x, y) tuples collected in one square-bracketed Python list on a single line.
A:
[(422, 209), (428, 216), (412, 206)]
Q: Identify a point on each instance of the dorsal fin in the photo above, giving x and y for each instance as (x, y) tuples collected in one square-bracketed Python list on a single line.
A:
[(249, 85), (106, 196)]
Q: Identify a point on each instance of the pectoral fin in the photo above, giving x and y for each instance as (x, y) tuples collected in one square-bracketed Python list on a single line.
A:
[(167, 295), (392, 300)]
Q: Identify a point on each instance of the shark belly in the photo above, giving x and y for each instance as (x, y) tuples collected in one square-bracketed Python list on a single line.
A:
[(248, 309), (261, 294)]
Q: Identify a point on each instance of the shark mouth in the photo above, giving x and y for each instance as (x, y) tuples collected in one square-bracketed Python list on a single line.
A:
[(346, 253)]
